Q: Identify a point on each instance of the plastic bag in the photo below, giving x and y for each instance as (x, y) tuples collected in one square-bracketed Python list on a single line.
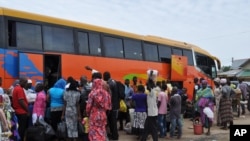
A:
[(61, 130), (123, 106), (48, 128)]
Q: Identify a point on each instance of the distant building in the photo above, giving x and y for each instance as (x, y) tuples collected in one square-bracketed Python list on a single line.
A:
[(240, 69)]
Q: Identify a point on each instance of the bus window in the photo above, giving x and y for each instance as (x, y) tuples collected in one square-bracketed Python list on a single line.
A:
[(58, 39), (12, 33), (177, 51), (113, 47), (165, 53), (95, 44), (132, 49), (189, 55), (214, 73), (24, 35), (150, 52), (83, 42)]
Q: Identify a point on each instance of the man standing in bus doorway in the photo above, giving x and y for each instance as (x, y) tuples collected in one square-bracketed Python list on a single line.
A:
[(115, 101), (20, 105)]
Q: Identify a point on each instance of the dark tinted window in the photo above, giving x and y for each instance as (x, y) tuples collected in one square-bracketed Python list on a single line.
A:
[(150, 52), (24, 35), (204, 63), (83, 43), (201, 60), (113, 47), (177, 51), (189, 55), (133, 49), (95, 44), (58, 39), (165, 53)]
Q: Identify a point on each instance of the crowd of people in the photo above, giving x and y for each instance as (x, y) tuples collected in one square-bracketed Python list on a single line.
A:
[(156, 108)]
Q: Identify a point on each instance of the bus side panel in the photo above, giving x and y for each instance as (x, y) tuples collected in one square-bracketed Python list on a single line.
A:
[(192, 72), (2, 66), (9, 67), (31, 66), (120, 69)]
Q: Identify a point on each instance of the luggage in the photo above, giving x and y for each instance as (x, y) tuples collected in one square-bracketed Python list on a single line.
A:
[(61, 130), (36, 133), (41, 131)]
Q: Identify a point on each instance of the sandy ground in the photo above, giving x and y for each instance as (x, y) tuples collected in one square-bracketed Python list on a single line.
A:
[(217, 134)]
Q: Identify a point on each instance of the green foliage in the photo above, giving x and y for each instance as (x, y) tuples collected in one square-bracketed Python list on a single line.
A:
[(225, 68)]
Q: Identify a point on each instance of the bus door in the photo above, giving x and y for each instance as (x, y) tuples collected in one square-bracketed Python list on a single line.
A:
[(178, 68), (31, 66), (52, 69)]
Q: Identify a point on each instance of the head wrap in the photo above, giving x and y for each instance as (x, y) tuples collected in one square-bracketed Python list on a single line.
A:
[(29, 81), (204, 82), (61, 83), (223, 81), (217, 80)]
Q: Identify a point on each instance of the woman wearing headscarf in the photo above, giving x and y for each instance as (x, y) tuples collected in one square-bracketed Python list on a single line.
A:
[(225, 104), (205, 98), (55, 99), (99, 102)]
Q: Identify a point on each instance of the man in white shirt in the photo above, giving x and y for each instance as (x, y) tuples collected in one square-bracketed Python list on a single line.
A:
[(150, 126), (31, 97)]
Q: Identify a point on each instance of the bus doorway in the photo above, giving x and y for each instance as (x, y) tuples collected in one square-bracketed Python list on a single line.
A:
[(52, 69)]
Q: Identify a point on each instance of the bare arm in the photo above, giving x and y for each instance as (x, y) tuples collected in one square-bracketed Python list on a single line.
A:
[(88, 68)]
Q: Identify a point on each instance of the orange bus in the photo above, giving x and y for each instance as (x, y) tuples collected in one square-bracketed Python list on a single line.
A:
[(45, 48)]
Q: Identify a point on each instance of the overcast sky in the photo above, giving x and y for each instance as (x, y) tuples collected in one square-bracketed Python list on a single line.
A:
[(222, 27)]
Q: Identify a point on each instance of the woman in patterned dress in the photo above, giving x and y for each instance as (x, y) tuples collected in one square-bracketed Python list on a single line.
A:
[(225, 108), (205, 98), (99, 102), (140, 114), (71, 109)]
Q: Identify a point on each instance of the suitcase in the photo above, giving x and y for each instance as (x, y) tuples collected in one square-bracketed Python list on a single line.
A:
[(35, 133)]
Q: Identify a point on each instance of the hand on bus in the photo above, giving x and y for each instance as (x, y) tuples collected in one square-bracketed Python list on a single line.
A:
[(88, 68)]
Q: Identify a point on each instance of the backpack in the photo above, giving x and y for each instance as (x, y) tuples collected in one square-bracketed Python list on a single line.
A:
[(120, 89), (83, 98)]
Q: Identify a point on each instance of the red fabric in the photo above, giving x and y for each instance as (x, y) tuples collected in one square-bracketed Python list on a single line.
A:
[(18, 93), (99, 101)]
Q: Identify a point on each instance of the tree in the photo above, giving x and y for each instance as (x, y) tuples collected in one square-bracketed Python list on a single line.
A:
[(225, 68)]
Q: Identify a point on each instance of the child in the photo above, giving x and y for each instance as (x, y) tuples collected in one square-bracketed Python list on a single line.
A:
[(85, 122), (209, 116)]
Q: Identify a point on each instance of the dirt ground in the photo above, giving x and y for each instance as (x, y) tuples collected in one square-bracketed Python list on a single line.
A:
[(217, 134)]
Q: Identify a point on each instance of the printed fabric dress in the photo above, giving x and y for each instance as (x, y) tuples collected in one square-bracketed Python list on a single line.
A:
[(99, 101), (71, 116)]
